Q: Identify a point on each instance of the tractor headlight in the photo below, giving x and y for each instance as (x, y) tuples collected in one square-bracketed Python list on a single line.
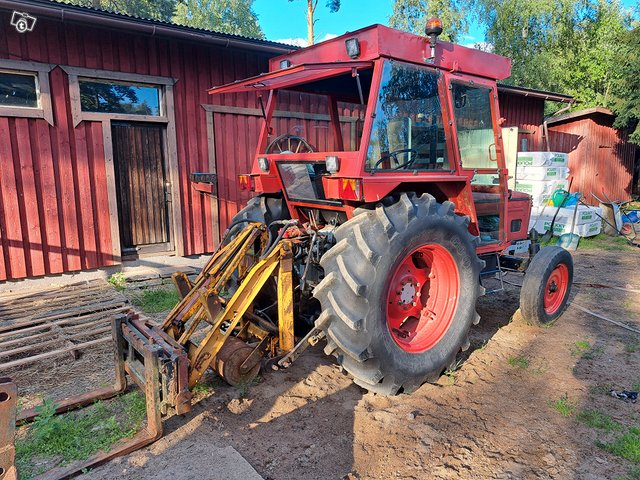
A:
[(263, 164), (353, 47), (332, 163)]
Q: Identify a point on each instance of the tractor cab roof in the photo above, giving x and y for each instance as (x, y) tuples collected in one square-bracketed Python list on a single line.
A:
[(331, 59)]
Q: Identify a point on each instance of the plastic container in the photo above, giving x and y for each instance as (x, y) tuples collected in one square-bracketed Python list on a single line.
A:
[(631, 217)]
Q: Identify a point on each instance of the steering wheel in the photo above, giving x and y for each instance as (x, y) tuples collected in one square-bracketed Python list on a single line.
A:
[(394, 155), (289, 144)]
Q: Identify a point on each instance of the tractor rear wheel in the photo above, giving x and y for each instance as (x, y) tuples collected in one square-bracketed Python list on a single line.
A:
[(399, 293), (262, 209)]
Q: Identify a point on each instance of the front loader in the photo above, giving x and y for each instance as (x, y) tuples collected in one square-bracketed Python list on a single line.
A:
[(375, 236)]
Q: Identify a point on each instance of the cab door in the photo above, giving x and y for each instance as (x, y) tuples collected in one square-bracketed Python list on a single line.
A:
[(478, 141)]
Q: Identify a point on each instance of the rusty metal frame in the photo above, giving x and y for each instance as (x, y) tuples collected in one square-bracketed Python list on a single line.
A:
[(152, 387), (8, 399), (164, 361)]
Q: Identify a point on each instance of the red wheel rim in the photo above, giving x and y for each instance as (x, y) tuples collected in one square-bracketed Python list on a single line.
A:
[(422, 298), (556, 289)]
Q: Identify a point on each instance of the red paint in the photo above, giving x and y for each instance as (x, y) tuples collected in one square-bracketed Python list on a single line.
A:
[(601, 160), (378, 40), (556, 289), (54, 214), (422, 298)]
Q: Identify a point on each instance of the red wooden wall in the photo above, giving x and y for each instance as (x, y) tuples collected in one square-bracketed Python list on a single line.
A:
[(601, 160), (53, 203), (526, 113)]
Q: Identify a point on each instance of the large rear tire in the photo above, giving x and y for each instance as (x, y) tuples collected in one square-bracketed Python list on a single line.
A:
[(262, 208), (409, 257)]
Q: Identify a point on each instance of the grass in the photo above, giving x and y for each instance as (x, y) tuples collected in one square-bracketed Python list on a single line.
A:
[(452, 372), (586, 351), (118, 281), (156, 300), (520, 362), (77, 435), (605, 242), (625, 445), (632, 346), (599, 420), (563, 406)]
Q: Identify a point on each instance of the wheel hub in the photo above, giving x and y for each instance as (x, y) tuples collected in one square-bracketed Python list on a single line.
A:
[(422, 296), (556, 289)]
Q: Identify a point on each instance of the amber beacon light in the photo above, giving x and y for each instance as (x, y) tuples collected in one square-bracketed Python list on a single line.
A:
[(433, 29)]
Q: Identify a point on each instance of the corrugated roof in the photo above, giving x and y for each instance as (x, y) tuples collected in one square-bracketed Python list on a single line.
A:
[(532, 92), (66, 12), (578, 114)]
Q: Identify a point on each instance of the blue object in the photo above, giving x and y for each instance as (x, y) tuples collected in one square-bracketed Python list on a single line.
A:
[(631, 217)]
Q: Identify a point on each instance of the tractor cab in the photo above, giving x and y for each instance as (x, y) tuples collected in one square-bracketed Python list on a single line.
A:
[(378, 112)]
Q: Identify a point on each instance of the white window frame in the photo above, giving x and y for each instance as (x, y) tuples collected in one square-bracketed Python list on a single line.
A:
[(43, 90)]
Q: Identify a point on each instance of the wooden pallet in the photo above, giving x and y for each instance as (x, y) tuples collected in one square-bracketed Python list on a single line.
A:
[(57, 322)]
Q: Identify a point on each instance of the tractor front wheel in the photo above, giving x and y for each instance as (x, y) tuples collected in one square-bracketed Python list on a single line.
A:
[(546, 286), (399, 293)]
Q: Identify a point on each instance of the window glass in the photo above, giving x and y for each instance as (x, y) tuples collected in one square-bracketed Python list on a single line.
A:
[(472, 109), (18, 90), (115, 97), (408, 131)]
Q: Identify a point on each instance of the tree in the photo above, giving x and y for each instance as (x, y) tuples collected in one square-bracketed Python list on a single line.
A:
[(626, 106), (153, 9), (227, 16), (558, 45), (332, 5), (412, 15)]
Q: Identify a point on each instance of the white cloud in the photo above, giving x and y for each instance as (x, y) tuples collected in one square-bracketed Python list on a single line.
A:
[(302, 42)]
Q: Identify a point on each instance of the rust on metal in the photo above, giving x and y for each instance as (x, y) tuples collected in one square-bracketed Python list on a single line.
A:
[(230, 359), (8, 398)]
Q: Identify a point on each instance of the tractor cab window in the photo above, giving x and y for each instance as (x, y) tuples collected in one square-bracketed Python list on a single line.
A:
[(408, 132), (476, 139)]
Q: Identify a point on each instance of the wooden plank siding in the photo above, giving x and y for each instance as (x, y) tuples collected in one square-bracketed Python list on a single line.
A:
[(54, 206), (526, 113), (601, 159)]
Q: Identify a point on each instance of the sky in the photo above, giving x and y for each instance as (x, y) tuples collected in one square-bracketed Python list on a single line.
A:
[(285, 21)]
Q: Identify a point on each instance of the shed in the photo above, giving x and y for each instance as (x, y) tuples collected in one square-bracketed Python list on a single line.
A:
[(601, 160)]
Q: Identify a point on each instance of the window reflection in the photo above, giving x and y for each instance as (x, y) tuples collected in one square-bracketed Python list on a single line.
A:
[(408, 131)]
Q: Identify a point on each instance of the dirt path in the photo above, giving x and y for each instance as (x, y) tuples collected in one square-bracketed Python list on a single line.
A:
[(497, 416)]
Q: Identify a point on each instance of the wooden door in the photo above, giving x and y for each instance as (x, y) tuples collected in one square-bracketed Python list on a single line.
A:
[(141, 183)]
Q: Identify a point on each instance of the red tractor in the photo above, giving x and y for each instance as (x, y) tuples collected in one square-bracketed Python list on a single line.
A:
[(378, 242), (400, 219)]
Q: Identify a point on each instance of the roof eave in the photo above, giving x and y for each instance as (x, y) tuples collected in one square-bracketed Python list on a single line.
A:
[(541, 94), (75, 14)]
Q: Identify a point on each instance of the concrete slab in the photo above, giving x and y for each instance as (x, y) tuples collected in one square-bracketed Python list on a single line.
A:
[(194, 450)]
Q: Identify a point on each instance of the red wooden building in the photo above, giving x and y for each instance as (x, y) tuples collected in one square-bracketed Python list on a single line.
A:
[(102, 119), (601, 160)]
